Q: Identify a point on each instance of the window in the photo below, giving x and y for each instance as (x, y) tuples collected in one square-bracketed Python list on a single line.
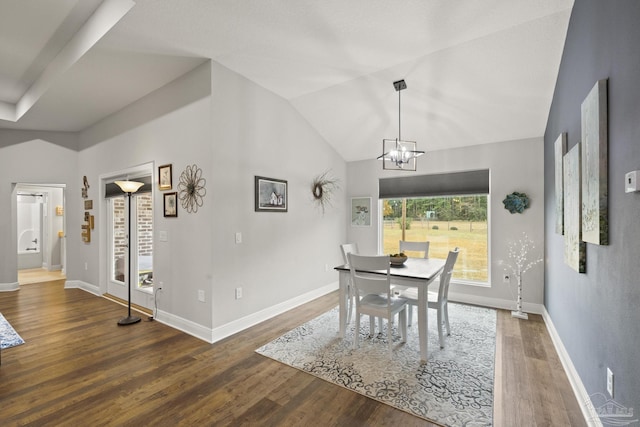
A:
[(448, 210)]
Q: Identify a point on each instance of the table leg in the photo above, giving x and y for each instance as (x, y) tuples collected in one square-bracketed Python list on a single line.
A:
[(423, 318), (343, 280)]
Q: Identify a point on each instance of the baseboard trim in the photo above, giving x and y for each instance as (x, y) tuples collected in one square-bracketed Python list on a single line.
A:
[(8, 287), (216, 334), (588, 411), (260, 316), (494, 302), (79, 284), (212, 335)]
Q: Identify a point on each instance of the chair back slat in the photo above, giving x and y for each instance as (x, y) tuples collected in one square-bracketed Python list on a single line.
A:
[(415, 246), (348, 248), (447, 272), (366, 284)]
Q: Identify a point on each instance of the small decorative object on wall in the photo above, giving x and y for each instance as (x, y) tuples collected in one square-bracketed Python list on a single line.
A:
[(170, 204), (191, 188), (88, 204), (560, 149), (59, 211), (271, 195), (516, 202), (519, 263), (86, 233), (164, 177), (575, 253), (92, 221), (85, 187), (595, 221), (361, 211), (322, 189)]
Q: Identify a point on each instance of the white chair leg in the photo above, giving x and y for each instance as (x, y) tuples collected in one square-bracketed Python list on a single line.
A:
[(357, 331), (440, 337), (403, 323), (445, 308), (380, 324), (350, 302), (409, 314), (389, 340), (372, 326)]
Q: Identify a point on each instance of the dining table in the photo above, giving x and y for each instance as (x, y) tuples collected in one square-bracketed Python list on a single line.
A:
[(415, 272)]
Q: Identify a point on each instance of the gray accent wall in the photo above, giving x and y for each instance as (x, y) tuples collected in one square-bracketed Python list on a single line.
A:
[(597, 314)]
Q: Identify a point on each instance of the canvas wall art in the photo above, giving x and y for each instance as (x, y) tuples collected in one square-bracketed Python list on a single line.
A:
[(595, 221), (560, 149), (574, 247)]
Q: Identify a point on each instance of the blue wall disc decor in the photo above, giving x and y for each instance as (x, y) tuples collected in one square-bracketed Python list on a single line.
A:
[(516, 202)]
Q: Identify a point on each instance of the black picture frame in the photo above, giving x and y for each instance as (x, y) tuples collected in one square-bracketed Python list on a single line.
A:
[(271, 194), (170, 204)]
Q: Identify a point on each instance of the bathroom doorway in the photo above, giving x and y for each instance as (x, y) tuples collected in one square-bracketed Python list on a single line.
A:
[(40, 232)]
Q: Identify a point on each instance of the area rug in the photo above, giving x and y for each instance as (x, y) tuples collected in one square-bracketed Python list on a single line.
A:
[(455, 387), (8, 336)]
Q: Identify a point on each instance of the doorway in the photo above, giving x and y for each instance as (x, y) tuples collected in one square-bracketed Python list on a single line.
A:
[(139, 239), (40, 232)]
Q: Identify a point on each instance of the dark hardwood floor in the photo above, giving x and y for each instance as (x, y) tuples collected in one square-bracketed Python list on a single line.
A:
[(79, 368)]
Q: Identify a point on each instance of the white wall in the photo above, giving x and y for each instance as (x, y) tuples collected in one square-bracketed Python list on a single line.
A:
[(178, 134), (283, 255), (514, 166), (233, 130), (29, 158)]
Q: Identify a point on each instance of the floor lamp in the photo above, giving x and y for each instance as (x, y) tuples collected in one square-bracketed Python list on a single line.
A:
[(129, 187)]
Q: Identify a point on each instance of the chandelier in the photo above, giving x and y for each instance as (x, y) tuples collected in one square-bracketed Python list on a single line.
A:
[(396, 153)]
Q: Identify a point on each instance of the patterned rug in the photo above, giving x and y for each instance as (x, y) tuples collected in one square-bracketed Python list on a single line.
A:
[(8, 336), (455, 388)]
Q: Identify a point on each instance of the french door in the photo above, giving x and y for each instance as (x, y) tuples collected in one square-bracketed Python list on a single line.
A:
[(141, 242)]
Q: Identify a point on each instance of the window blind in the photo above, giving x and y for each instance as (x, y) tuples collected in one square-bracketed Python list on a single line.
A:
[(443, 184)]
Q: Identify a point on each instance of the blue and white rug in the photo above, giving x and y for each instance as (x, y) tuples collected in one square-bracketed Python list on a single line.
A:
[(8, 336), (455, 387)]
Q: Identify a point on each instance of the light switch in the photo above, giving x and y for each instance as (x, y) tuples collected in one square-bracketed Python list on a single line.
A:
[(238, 237), (162, 236)]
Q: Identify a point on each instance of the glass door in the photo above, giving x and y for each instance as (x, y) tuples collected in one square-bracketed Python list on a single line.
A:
[(141, 241)]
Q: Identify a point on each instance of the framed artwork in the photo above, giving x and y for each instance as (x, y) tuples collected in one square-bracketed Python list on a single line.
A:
[(361, 211), (270, 195), (595, 218), (560, 149), (170, 204), (88, 205), (574, 247), (164, 177)]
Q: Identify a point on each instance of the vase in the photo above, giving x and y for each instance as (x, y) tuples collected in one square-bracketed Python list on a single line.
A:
[(518, 311)]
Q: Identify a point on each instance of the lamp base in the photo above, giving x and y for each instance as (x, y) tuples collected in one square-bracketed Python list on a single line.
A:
[(129, 320)]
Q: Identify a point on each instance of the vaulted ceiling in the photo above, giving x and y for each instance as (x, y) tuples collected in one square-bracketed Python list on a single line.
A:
[(477, 71)]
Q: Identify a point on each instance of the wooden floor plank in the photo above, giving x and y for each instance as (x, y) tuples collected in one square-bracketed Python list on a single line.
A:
[(78, 367)]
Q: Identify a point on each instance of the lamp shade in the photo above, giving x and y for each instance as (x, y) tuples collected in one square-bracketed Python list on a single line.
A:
[(129, 186)]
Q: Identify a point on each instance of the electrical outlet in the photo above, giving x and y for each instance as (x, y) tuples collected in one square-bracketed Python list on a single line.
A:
[(86, 266), (506, 278), (200, 295), (238, 293), (610, 382), (238, 237)]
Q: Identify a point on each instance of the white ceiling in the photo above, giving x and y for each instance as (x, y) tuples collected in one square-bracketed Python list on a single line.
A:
[(477, 71)]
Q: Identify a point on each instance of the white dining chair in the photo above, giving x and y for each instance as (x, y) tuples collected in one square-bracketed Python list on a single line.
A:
[(349, 248), (439, 300), (374, 296), (423, 247), (405, 245)]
